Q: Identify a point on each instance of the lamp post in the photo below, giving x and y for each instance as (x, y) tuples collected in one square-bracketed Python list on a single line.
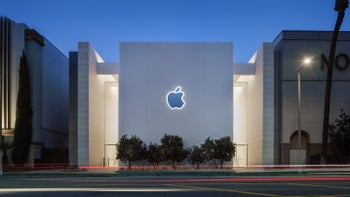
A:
[(306, 61)]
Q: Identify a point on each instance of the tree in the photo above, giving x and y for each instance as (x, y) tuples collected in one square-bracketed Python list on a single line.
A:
[(130, 150), (197, 156), (208, 148), (153, 155), (23, 126), (218, 151), (339, 134), (172, 149), (340, 7), (224, 150)]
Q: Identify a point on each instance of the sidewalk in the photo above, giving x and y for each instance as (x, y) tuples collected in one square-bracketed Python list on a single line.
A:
[(139, 173)]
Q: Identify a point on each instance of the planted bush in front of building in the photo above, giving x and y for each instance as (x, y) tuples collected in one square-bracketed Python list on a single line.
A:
[(153, 156), (208, 149), (224, 150), (171, 152), (130, 150), (339, 134), (196, 156), (217, 152)]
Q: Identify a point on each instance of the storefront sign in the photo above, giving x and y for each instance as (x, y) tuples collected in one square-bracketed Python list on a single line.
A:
[(175, 98), (341, 61)]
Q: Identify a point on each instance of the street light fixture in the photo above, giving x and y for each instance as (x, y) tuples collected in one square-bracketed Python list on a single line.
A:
[(306, 62)]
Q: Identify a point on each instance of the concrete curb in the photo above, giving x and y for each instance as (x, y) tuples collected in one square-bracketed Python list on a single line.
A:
[(180, 173)]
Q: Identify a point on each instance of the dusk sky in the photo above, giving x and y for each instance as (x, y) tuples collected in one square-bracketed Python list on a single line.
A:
[(105, 23)]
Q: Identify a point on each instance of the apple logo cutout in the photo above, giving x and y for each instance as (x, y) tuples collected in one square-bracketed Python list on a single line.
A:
[(175, 98)]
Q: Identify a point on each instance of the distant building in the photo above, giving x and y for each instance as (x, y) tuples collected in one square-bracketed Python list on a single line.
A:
[(49, 73)]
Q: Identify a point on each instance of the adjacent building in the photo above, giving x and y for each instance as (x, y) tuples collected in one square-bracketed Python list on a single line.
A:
[(291, 47), (268, 97), (49, 71)]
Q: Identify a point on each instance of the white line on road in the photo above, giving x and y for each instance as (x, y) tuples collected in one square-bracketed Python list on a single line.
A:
[(16, 190)]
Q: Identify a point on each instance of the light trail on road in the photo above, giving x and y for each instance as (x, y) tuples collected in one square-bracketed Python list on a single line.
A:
[(202, 180), (18, 190), (175, 186)]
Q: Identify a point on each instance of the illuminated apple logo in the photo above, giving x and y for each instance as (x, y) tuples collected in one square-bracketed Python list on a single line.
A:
[(174, 98)]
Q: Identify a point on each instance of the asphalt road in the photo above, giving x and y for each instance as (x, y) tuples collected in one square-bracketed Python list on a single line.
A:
[(169, 187)]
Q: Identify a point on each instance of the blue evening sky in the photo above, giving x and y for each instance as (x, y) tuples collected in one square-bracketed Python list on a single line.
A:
[(105, 23)]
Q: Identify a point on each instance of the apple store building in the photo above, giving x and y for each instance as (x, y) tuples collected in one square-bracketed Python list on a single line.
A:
[(196, 90)]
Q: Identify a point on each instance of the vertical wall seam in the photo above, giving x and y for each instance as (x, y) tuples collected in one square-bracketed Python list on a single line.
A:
[(1, 65)]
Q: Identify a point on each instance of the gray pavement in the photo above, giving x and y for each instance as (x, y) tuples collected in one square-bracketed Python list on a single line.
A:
[(149, 173), (238, 182), (174, 186)]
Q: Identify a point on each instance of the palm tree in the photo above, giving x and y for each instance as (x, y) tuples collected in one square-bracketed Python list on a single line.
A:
[(340, 7)]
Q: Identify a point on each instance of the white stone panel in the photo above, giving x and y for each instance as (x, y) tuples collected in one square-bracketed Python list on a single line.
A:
[(148, 71), (83, 104), (109, 68), (91, 107), (260, 107), (244, 69), (111, 123)]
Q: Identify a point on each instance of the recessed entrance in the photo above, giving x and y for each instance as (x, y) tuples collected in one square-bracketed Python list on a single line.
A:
[(298, 155)]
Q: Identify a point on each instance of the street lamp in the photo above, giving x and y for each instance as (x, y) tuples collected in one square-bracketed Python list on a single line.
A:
[(306, 62)]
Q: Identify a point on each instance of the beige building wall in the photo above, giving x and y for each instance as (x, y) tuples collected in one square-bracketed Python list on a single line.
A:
[(240, 126), (255, 104), (111, 123), (90, 116), (93, 93), (255, 94)]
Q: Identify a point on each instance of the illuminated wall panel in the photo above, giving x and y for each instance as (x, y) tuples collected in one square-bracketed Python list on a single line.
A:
[(254, 99), (149, 71)]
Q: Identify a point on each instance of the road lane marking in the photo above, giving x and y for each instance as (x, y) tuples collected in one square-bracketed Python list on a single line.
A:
[(220, 189), (110, 185), (318, 185)]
